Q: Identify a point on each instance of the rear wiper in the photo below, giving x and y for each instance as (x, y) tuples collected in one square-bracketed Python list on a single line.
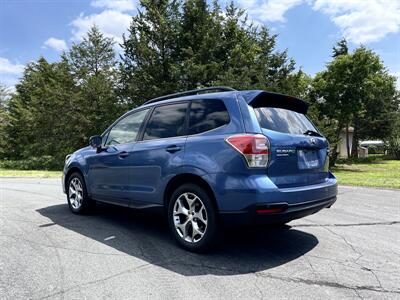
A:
[(312, 133)]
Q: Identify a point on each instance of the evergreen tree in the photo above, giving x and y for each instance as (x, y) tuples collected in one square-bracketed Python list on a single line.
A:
[(173, 46), (44, 115), (201, 52), (93, 67), (149, 65), (4, 99), (341, 48)]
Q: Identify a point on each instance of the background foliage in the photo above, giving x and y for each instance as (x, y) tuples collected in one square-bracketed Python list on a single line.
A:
[(172, 46)]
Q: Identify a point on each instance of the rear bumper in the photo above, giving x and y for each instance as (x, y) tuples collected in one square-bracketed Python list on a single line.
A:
[(263, 214), (237, 192), (239, 197)]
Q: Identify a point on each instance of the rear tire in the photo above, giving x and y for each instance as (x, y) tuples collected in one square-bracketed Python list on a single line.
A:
[(77, 197), (192, 218)]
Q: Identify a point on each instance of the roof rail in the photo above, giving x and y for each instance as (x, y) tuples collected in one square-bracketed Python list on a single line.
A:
[(191, 92)]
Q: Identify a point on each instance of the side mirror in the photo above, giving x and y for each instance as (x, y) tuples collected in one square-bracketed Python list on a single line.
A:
[(95, 141)]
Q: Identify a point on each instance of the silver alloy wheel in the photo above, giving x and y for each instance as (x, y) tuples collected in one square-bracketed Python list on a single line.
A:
[(190, 217), (75, 193)]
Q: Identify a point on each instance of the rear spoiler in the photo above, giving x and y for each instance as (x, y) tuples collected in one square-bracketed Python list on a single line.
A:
[(260, 98)]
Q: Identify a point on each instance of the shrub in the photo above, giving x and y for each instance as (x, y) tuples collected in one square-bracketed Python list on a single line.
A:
[(34, 163)]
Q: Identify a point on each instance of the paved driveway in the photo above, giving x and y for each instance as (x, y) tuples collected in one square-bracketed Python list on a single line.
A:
[(349, 251)]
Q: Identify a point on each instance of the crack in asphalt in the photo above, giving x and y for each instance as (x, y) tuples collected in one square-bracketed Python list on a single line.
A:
[(345, 240), (60, 247), (356, 289), (328, 283), (59, 262), (96, 281), (311, 265), (359, 255), (348, 225), (157, 258), (323, 283), (344, 263), (294, 279)]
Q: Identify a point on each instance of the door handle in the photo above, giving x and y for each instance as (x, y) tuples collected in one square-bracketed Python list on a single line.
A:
[(173, 149), (123, 154)]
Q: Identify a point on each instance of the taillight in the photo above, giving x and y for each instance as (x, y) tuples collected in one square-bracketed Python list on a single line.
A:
[(254, 148)]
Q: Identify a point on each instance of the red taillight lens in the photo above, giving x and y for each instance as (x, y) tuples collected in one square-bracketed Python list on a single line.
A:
[(269, 210), (254, 148)]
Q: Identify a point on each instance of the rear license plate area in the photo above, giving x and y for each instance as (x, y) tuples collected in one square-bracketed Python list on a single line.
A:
[(308, 159)]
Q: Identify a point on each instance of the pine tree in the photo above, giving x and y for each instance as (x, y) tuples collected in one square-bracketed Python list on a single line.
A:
[(44, 116), (173, 46), (149, 65), (93, 67), (201, 44), (341, 48), (4, 99)]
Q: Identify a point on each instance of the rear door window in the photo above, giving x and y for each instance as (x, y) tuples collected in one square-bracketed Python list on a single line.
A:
[(166, 121), (283, 120), (206, 115)]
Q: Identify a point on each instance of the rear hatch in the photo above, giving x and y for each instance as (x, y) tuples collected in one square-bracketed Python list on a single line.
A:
[(298, 151)]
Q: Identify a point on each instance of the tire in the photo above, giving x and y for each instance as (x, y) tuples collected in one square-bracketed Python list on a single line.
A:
[(78, 200), (192, 218)]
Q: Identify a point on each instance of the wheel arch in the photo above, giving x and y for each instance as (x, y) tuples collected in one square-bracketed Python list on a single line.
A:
[(69, 173), (184, 178)]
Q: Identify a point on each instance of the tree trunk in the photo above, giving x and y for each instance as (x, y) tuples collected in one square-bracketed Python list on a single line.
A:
[(347, 141), (354, 146)]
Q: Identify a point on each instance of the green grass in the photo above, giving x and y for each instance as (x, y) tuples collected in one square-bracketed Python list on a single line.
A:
[(376, 172), (29, 173)]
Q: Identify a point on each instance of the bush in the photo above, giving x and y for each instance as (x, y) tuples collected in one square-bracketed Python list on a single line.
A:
[(372, 158), (35, 163)]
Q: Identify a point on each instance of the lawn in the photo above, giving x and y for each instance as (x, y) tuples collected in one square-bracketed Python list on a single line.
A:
[(376, 173), (29, 173)]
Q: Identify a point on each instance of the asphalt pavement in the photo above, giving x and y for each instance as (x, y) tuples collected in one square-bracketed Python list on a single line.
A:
[(351, 250)]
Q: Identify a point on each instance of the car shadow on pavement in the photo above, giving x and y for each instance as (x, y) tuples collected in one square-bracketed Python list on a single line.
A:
[(145, 236)]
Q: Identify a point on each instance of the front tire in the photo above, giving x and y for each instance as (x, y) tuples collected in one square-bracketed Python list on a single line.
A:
[(78, 200), (192, 218)]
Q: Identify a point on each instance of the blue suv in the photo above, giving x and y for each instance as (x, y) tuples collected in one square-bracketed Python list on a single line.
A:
[(210, 157)]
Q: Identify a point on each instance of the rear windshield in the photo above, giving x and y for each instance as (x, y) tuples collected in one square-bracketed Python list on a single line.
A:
[(283, 120)]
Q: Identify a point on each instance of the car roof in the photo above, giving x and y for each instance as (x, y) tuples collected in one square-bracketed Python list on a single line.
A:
[(219, 95), (255, 98)]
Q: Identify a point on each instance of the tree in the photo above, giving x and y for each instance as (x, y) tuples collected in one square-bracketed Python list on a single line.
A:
[(394, 138), (173, 46), (252, 60), (170, 46), (149, 65), (44, 113), (341, 48), (377, 92), (93, 66), (356, 90), (200, 38), (4, 99)]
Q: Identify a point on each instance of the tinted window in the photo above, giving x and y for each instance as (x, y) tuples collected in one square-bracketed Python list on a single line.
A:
[(126, 130), (166, 121), (206, 115), (283, 120)]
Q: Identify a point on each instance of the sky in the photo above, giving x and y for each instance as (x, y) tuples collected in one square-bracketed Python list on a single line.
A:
[(308, 29)]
